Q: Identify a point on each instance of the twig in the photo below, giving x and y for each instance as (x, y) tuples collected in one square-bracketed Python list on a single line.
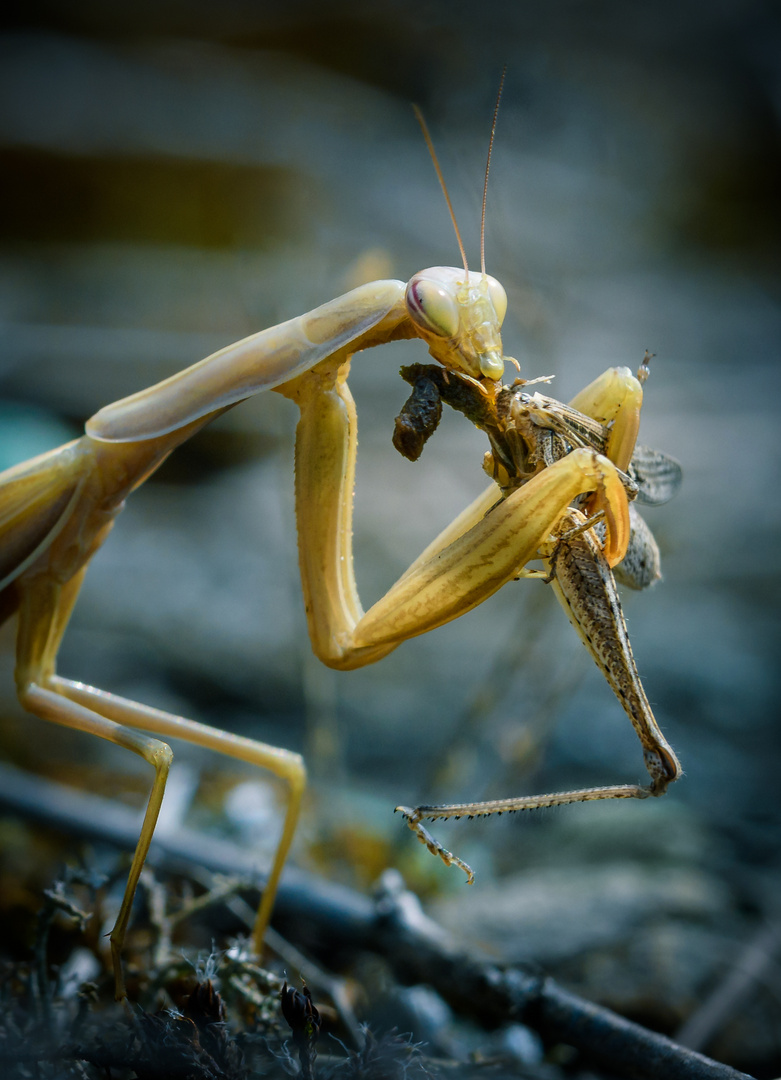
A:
[(748, 969), (323, 918)]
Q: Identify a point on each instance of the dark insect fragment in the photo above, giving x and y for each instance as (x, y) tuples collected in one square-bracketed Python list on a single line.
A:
[(418, 418)]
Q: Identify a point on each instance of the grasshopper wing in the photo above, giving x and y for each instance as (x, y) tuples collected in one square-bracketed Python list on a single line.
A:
[(657, 476)]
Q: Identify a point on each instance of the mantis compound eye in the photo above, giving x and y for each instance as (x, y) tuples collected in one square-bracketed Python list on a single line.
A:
[(433, 307), (498, 298)]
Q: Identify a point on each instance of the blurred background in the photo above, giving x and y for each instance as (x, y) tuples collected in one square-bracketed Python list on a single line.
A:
[(175, 177)]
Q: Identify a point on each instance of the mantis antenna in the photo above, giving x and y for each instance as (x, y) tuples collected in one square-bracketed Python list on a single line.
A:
[(432, 151), (487, 167), (429, 143)]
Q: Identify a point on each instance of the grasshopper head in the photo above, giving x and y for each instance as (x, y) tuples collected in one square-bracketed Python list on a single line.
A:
[(459, 316)]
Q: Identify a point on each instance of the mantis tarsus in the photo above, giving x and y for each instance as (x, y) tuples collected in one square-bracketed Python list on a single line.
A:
[(562, 481)]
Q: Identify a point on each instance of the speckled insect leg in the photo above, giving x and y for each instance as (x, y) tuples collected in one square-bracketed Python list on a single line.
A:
[(448, 858)]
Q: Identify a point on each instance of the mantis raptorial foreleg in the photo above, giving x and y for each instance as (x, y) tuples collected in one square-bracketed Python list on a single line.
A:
[(615, 397), (457, 572)]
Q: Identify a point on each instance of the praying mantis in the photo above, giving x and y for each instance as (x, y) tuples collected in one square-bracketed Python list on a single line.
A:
[(563, 478)]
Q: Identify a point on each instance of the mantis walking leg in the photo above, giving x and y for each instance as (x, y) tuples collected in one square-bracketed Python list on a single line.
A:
[(43, 614), (285, 764)]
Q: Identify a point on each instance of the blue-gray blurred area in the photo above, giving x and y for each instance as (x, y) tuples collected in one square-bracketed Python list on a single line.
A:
[(174, 177)]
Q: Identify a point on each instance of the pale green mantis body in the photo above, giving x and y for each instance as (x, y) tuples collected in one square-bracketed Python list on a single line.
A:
[(57, 509)]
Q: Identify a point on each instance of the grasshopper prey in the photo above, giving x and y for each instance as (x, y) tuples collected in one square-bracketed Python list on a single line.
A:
[(529, 434)]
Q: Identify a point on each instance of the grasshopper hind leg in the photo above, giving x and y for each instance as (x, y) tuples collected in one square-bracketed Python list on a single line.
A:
[(584, 585)]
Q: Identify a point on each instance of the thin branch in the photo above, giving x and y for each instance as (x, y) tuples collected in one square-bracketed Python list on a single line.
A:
[(757, 958)]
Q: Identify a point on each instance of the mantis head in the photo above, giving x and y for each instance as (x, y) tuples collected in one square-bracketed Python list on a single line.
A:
[(459, 314)]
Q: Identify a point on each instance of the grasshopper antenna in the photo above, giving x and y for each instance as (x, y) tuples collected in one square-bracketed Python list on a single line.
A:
[(432, 151), (487, 167)]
